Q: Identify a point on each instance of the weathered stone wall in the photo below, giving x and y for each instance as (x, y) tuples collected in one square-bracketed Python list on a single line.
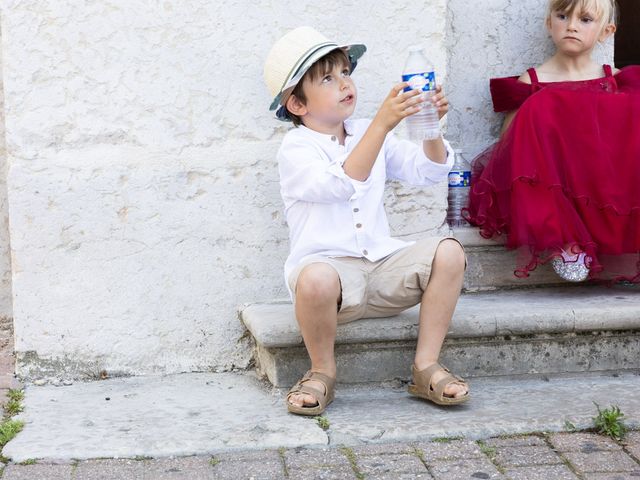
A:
[(143, 186), (5, 250), (492, 38)]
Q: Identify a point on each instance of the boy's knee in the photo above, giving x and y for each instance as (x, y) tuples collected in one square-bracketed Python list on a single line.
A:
[(450, 256), (318, 281)]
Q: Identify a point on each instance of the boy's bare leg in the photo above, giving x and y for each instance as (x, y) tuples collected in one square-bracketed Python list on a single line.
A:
[(317, 295), (436, 310)]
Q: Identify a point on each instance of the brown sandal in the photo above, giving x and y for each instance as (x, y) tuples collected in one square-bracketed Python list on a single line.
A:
[(322, 398), (421, 385)]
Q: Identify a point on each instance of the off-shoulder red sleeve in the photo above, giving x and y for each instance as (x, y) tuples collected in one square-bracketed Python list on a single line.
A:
[(629, 78), (508, 93)]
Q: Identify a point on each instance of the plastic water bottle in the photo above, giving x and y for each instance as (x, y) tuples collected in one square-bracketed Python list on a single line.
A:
[(419, 73), (459, 185)]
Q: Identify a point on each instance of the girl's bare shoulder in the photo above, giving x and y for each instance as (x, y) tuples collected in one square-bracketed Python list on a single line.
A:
[(525, 78)]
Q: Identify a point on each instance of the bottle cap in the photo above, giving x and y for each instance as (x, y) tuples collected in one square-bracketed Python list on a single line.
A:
[(415, 48)]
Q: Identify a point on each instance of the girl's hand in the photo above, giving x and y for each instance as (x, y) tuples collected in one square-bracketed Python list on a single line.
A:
[(397, 106), (440, 101)]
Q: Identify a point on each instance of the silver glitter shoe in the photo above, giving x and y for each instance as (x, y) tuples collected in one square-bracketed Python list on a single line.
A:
[(572, 268)]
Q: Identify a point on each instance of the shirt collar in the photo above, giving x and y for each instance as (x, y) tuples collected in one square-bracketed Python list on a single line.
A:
[(348, 128)]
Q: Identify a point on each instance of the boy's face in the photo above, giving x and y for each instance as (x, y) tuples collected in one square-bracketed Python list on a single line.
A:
[(331, 98)]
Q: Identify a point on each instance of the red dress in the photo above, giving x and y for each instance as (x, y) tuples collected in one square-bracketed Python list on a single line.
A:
[(566, 172)]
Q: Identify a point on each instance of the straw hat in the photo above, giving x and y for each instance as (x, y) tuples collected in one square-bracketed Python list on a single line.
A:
[(292, 56)]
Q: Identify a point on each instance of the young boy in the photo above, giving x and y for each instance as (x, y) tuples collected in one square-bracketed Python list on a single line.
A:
[(344, 265)]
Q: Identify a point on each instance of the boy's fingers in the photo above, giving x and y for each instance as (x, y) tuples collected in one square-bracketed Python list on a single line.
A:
[(410, 110), (410, 94), (395, 91)]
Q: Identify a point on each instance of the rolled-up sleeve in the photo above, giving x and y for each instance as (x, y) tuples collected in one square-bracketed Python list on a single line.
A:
[(308, 175), (406, 161)]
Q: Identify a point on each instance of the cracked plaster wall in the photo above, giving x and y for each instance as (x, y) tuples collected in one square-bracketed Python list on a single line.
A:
[(143, 187), (5, 251), (492, 38)]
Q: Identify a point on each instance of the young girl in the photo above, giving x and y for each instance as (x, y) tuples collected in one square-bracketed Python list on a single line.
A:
[(563, 182)]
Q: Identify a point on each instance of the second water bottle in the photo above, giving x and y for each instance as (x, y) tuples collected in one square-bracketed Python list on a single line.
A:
[(419, 73)]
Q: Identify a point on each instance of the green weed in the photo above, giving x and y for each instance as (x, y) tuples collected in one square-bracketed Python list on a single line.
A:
[(14, 403), (609, 422), (323, 422), (9, 429)]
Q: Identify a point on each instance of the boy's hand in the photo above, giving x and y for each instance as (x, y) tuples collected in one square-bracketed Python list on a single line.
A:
[(397, 106), (440, 101)]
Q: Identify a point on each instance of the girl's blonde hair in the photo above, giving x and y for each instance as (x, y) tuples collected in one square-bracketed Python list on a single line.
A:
[(605, 10)]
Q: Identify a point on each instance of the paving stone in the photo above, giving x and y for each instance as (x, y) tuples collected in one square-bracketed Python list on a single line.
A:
[(449, 450), (602, 461), (635, 451), (193, 468), (632, 443), (399, 476), (315, 457), (267, 456), (582, 442), (632, 437), (515, 441), (382, 449), (322, 473), (389, 464), (109, 469), (476, 468), (612, 476), (256, 464), (541, 472), (37, 472), (9, 381), (241, 470), (526, 456)]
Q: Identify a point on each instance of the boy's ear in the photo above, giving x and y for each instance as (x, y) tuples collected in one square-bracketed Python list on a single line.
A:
[(295, 106)]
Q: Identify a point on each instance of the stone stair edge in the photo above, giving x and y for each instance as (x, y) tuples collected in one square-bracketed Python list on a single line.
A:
[(273, 324)]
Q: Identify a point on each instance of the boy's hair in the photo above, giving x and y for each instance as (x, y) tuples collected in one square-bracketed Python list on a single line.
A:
[(324, 65), (605, 10)]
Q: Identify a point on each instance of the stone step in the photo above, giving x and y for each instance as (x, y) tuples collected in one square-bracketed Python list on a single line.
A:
[(491, 266), (508, 332)]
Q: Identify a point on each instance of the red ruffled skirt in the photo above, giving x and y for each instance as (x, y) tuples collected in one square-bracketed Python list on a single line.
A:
[(565, 174)]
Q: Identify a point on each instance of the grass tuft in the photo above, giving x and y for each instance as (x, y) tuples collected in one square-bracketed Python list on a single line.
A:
[(351, 456), (323, 422), (13, 406), (610, 422), (9, 429)]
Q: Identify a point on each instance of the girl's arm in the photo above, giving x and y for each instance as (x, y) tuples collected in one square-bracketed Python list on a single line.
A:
[(508, 118), (507, 121)]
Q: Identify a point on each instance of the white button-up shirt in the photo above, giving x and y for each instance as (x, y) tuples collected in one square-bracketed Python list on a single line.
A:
[(330, 213)]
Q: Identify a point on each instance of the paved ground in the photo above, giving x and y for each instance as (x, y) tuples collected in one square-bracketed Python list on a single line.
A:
[(194, 414), (233, 426), (546, 457)]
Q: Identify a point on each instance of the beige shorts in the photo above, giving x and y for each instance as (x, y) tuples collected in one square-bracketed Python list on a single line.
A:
[(383, 288)]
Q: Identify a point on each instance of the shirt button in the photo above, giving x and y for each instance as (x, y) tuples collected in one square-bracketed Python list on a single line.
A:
[(334, 138), (365, 252), (356, 210), (358, 225)]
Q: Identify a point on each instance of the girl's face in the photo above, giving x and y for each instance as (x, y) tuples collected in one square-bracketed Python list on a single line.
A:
[(577, 32)]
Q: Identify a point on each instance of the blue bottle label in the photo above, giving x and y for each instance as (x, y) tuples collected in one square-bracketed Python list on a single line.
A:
[(425, 81), (459, 178)]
